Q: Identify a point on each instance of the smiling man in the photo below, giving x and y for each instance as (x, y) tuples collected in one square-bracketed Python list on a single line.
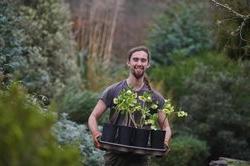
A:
[(138, 62)]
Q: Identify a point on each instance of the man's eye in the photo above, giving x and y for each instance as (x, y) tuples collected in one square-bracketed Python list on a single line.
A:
[(143, 60), (136, 59)]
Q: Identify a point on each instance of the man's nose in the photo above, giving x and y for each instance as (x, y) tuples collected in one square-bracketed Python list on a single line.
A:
[(139, 62)]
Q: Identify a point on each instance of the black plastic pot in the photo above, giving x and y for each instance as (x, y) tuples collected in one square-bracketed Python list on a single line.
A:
[(140, 137), (125, 134), (157, 139), (109, 132)]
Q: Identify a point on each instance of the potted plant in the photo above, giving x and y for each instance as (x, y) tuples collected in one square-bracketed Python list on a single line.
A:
[(138, 132), (142, 130), (130, 132), (125, 104), (109, 132), (157, 137)]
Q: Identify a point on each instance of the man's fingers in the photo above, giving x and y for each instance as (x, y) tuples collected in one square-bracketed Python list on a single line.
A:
[(95, 139)]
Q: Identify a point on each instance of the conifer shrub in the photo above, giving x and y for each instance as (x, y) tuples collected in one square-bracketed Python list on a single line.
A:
[(185, 151), (26, 137)]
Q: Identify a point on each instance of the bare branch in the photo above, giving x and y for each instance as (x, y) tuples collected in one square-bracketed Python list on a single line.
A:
[(238, 15), (225, 6), (241, 27)]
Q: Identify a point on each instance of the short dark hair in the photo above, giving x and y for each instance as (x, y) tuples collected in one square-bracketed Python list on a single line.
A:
[(138, 48)]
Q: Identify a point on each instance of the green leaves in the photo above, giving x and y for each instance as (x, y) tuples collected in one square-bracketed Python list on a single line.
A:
[(182, 114), (26, 137), (37, 46), (129, 102), (182, 30), (168, 109)]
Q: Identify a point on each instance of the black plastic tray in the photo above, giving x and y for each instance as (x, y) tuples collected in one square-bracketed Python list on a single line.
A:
[(109, 146)]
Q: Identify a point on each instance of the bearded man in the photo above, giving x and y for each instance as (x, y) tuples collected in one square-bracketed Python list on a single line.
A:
[(138, 62)]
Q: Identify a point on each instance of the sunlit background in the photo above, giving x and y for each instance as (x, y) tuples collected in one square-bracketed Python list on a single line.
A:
[(57, 56)]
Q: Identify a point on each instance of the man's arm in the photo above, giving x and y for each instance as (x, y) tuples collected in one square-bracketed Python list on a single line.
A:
[(93, 121), (163, 121)]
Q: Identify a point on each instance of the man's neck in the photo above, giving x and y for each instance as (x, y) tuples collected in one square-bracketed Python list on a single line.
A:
[(135, 83)]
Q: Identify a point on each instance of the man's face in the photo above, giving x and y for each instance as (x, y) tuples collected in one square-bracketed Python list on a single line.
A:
[(138, 63)]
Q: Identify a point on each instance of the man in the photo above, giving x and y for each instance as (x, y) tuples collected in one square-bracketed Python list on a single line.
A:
[(138, 63)]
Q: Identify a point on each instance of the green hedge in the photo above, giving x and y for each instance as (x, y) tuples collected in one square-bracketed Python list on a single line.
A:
[(214, 91), (218, 105), (184, 28), (36, 46), (77, 104), (185, 151), (26, 137), (172, 78)]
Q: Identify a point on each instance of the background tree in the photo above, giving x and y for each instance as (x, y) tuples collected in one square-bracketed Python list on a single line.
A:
[(183, 29), (234, 39), (98, 25), (207, 84), (26, 137), (218, 104), (38, 49)]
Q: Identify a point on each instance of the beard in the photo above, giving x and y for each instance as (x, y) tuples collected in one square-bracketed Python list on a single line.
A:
[(138, 74)]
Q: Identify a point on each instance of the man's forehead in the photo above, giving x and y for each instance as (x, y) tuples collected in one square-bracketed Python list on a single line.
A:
[(140, 54)]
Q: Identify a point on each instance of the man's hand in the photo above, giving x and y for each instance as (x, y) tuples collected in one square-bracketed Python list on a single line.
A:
[(166, 143), (95, 135)]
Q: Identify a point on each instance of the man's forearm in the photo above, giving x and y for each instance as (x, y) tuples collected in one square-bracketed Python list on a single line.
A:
[(92, 123), (167, 135), (164, 124), (95, 115)]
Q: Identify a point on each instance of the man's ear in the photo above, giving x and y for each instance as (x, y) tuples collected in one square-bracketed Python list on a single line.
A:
[(148, 65), (128, 64)]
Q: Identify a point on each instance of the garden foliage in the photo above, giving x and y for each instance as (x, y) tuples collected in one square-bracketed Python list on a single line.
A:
[(182, 29), (234, 39), (68, 132), (26, 137), (219, 106), (214, 91), (185, 151), (36, 47), (77, 104)]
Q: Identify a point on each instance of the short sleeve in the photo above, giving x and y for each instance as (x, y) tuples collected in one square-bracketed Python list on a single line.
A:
[(107, 96)]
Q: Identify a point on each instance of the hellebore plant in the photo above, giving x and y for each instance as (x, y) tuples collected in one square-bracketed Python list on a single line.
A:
[(128, 102), (168, 109), (147, 106)]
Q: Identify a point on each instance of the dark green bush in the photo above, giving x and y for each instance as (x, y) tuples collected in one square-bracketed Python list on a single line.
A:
[(11, 43), (26, 137), (36, 46), (172, 78), (214, 91), (185, 151), (77, 104), (182, 29), (218, 105)]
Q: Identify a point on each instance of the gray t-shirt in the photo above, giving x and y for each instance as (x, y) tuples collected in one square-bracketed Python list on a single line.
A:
[(114, 90)]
